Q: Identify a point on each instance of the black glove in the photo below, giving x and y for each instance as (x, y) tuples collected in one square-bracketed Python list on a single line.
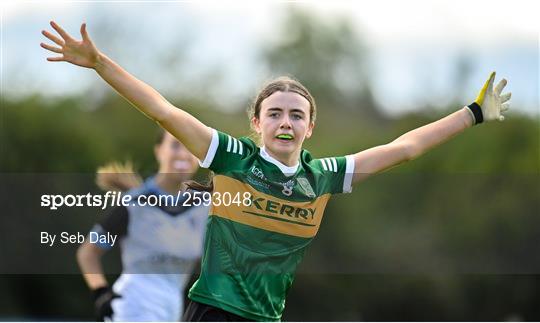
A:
[(103, 297)]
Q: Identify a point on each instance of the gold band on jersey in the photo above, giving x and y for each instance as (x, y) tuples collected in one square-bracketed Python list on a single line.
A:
[(300, 219)]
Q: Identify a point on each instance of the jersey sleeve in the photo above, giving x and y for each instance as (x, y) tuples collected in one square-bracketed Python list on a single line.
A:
[(116, 223), (226, 152), (335, 174)]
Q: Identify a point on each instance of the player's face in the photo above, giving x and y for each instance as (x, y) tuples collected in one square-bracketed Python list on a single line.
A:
[(284, 124), (173, 157)]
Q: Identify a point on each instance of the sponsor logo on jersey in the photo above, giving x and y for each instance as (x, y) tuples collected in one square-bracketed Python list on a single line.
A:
[(256, 178), (283, 209), (270, 212), (257, 183), (257, 172)]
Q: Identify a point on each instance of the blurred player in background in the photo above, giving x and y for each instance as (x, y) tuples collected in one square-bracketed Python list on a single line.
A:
[(160, 245)]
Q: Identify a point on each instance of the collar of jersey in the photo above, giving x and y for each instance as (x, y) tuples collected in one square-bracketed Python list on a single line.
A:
[(286, 170)]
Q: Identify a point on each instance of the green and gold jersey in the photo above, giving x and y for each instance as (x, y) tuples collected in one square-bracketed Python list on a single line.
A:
[(263, 217)]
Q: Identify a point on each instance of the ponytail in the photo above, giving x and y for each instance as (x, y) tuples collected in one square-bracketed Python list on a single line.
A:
[(196, 186)]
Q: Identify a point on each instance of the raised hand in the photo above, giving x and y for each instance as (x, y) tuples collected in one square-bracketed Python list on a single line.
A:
[(189, 130), (490, 103), (82, 53)]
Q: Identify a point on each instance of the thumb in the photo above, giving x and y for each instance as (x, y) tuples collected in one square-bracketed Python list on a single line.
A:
[(488, 87)]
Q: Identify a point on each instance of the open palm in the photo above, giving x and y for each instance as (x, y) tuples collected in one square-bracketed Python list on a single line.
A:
[(82, 53), (491, 101)]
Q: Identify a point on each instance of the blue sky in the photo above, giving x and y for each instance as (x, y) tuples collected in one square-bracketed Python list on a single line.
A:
[(413, 45)]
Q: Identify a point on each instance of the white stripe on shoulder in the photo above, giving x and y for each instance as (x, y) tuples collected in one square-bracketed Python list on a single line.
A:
[(330, 165), (323, 164), (241, 146), (235, 146), (229, 139)]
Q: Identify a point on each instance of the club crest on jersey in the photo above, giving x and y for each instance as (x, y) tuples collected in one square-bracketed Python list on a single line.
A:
[(304, 184), (287, 187)]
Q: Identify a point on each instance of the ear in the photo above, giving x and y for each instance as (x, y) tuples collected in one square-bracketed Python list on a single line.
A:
[(255, 122), (310, 129)]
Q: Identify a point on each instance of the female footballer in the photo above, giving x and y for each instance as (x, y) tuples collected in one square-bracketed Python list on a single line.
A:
[(160, 243), (268, 200)]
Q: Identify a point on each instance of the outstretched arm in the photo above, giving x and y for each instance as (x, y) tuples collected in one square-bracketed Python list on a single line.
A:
[(487, 107), (189, 130)]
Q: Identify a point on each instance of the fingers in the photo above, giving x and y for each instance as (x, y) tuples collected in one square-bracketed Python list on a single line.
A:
[(505, 97), (505, 107), (490, 82), (500, 86), (52, 48), (52, 37), (60, 31), (84, 33), (56, 59)]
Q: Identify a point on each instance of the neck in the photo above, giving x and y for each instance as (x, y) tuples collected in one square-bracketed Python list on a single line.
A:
[(286, 159), (170, 183)]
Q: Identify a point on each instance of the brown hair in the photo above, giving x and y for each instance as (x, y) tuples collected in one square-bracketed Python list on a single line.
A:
[(279, 84), (194, 185), (282, 84)]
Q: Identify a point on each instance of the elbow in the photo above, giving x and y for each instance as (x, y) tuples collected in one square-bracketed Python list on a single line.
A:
[(411, 151), (160, 117), (82, 253), (158, 110), (85, 253)]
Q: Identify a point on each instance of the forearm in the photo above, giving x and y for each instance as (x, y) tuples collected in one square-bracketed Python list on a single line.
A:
[(90, 264), (139, 94), (488, 106), (420, 140), (95, 281)]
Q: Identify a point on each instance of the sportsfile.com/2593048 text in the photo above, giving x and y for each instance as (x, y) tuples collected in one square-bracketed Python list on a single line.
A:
[(113, 199)]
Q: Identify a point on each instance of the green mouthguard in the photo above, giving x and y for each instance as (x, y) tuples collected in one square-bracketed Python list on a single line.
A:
[(288, 137)]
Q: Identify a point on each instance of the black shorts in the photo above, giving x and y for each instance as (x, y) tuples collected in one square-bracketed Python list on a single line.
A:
[(198, 312)]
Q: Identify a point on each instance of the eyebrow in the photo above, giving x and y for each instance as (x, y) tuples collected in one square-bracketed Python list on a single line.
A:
[(292, 110)]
